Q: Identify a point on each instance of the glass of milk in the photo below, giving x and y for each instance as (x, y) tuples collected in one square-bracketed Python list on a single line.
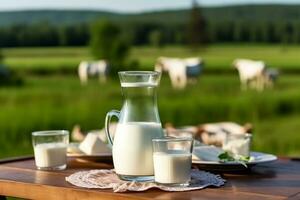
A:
[(172, 158), (238, 144), (50, 149)]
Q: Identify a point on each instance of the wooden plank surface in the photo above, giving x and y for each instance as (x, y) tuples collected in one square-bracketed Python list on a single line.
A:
[(14, 159), (278, 180)]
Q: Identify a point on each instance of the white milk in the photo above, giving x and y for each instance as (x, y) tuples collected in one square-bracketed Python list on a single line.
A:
[(238, 147), (50, 154), (132, 148), (173, 166)]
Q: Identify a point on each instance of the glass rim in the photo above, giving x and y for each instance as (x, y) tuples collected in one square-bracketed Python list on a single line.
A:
[(173, 139), (138, 73), (50, 133)]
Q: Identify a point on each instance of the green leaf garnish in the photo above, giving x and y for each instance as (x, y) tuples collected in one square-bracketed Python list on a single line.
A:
[(227, 157)]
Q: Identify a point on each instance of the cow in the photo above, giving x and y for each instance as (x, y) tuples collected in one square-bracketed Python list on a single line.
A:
[(251, 73), (98, 68), (180, 70)]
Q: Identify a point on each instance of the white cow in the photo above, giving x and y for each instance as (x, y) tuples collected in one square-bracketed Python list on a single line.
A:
[(95, 68), (251, 73), (180, 70)]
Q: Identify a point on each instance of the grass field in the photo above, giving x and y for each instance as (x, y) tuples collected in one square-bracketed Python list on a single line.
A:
[(60, 102), (216, 57)]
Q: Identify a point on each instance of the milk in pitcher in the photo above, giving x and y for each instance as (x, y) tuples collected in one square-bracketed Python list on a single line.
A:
[(133, 147)]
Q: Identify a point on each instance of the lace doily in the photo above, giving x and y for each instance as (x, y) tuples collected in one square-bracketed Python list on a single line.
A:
[(106, 179)]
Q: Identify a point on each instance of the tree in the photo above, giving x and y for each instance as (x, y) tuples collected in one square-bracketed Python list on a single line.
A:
[(106, 43), (196, 27), (156, 38), (73, 35), (237, 32), (287, 33), (296, 35)]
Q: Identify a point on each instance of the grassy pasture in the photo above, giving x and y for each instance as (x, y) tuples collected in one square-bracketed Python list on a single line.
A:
[(60, 102), (49, 59), (216, 57)]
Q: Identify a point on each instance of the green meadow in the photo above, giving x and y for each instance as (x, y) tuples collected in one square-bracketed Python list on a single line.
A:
[(58, 101), (216, 57)]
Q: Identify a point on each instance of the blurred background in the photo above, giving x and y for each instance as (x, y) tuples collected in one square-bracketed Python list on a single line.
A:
[(42, 44)]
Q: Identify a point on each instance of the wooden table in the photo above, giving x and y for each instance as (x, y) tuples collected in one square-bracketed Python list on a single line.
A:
[(277, 180)]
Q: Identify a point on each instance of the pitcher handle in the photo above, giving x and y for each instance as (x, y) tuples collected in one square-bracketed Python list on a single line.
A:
[(108, 117)]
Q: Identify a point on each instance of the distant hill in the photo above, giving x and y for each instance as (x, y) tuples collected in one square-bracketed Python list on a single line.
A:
[(228, 13)]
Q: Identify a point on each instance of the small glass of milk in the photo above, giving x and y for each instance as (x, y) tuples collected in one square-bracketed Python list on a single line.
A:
[(238, 144), (50, 149), (172, 159)]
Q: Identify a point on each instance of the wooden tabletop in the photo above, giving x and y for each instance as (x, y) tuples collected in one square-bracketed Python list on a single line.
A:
[(277, 180)]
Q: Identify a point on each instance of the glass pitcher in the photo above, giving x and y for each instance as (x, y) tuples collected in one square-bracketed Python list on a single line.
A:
[(138, 124)]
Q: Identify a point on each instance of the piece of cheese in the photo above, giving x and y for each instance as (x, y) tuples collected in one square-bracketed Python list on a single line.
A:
[(238, 147), (92, 145)]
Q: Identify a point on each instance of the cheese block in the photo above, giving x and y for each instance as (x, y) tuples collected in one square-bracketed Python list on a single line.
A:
[(92, 145)]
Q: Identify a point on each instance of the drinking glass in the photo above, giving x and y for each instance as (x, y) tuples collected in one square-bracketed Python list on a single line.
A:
[(172, 157), (238, 144), (50, 149)]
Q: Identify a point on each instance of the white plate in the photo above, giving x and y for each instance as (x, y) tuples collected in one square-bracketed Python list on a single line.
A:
[(259, 158)]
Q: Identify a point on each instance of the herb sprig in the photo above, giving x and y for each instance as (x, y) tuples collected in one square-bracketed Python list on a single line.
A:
[(228, 157)]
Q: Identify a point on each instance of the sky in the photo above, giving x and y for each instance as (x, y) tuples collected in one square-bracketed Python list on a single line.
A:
[(124, 5)]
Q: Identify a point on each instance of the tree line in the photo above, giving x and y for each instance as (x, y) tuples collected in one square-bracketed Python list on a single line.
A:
[(46, 34)]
